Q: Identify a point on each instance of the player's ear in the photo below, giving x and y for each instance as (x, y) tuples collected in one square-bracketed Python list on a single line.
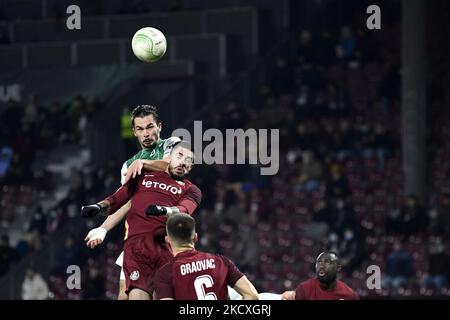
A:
[(195, 238)]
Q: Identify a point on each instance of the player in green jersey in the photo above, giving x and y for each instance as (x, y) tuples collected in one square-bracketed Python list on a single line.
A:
[(154, 155)]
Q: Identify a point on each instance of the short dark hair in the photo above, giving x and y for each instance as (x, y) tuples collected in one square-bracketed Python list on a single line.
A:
[(183, 144), (144, 110), (181, 227)]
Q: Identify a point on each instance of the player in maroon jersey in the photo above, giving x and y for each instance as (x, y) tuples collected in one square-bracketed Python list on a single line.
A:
[(196, 275), (155, 196), (325, 286)]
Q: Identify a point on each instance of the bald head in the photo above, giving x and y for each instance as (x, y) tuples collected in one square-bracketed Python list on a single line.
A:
[(327, 266)]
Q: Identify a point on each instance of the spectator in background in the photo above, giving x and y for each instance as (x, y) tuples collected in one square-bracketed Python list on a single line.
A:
[(413, 217), (311, 172), (70, 254), (438, 267), (409, 220), (346, 47), (440, 218), (6, 155), (399, 267), (7, 254), (38, 222), (337, 185), (306, 50), (95, 285), (352, 251), (34, 286)]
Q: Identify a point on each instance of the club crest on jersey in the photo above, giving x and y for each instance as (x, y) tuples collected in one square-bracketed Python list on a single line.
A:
[(134, 275), (162, 186)]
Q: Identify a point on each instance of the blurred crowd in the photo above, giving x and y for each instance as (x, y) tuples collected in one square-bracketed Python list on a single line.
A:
[(336, 101)]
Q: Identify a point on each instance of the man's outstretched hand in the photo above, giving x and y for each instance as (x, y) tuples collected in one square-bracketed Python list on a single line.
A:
[(133, 170), (95, 237)]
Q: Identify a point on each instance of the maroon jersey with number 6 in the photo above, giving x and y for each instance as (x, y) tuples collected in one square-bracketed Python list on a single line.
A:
[(196, 275)]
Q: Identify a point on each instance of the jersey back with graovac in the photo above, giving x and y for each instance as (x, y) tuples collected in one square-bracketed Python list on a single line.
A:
[(196, 275)]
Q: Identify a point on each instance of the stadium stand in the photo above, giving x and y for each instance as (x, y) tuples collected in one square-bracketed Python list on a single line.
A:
[(333, 89)]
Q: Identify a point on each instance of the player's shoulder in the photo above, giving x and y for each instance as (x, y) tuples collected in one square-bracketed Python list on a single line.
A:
[(188, 183), (165, 270), (222, 258), (344, 286), (308, 283), (193, 189), (138, 155)]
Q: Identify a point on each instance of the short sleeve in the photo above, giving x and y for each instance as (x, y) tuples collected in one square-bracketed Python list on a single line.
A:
[(300, 293), (163, 283), (234, 274), (193, 193), (123, 171)]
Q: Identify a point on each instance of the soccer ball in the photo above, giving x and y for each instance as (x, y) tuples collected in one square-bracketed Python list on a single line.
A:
[(149, 44)]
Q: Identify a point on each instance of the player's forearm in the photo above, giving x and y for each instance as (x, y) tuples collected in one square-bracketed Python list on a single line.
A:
[(246, 289), (269, 296), (113, 219), (118, 199), (155, 165), (105, 207), (185, 208)]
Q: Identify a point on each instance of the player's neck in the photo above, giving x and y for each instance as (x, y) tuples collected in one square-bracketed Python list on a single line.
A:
[(178, 249), (328, 285)]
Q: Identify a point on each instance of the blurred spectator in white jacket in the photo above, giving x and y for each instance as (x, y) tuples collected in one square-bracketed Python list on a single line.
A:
[(34, 286)]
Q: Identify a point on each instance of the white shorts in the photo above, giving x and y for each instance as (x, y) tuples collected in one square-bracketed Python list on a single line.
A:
[(119, 262)]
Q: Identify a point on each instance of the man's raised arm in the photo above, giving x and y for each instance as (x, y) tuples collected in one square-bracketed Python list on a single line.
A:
[(97, 235), (108, 205), (187, 204)]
